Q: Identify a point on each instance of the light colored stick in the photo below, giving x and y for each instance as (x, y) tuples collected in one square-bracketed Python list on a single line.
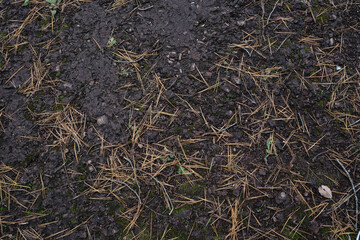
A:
[(353, 188)]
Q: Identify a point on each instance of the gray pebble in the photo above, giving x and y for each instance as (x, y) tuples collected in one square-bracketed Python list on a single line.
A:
[(102, 120)]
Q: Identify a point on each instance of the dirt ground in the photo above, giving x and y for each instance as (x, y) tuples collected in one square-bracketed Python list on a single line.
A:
[(179, 119)]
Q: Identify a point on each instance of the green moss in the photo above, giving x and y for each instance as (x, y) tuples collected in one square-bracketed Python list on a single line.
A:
[(43, 23), (1, 137), (179, 210), (320, 104), (113, 208), (169, 158), (74, 208), (81, 177), (33, 186), (176, 234), (61, 97), (58, 107), (73, 221), (2, 61), (193, 190), (121, 221), (31, 106), (177, 130), (21, 48), (147, 67), (33, 156), (28, 117), (2, 35), (218, 113), (322, 19), (64, 26), (291, 234)]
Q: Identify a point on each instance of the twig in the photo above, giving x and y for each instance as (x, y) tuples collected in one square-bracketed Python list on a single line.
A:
[(357, 121), (234, 45), (267, 22), (137, 195), (287, 37), (226, 128), (167, 195), (122, 61), (353, 188), (302, 122), (145, 8), (132, 167)]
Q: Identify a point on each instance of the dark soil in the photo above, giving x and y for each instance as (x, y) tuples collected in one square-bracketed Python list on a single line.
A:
[(179, 119)]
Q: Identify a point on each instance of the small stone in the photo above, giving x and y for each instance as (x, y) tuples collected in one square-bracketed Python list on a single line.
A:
[(229, 113), (282, 195), (314, 227), (272, 123), (331, 41), (280, 198), (236, 79), (278, 144), (262, 172), (195, 56), (240, 23), (208, 74), (67, 85), (102, 120)]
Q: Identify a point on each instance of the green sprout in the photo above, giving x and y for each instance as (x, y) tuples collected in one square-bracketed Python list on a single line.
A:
[(182, 170), (53, 5), (111, 42), (268, 146)]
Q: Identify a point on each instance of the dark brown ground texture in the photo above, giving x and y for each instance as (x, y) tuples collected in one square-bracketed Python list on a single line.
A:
[(179, 119)]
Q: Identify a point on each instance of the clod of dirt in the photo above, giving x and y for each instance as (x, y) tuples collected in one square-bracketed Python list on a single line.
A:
[(281, 198), (262, 172), (102, 120), (184, 214), (314, 227)]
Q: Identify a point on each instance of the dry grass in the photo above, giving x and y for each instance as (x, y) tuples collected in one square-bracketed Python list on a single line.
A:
[(269, 176), (140, 164), (3, 116), (261, 106), (38, 80), (143, 166), (65, 127), (120, 3), (14, 38), (10, 191)]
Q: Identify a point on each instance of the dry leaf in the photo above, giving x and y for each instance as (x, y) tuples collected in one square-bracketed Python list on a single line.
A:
[(325, 191)]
